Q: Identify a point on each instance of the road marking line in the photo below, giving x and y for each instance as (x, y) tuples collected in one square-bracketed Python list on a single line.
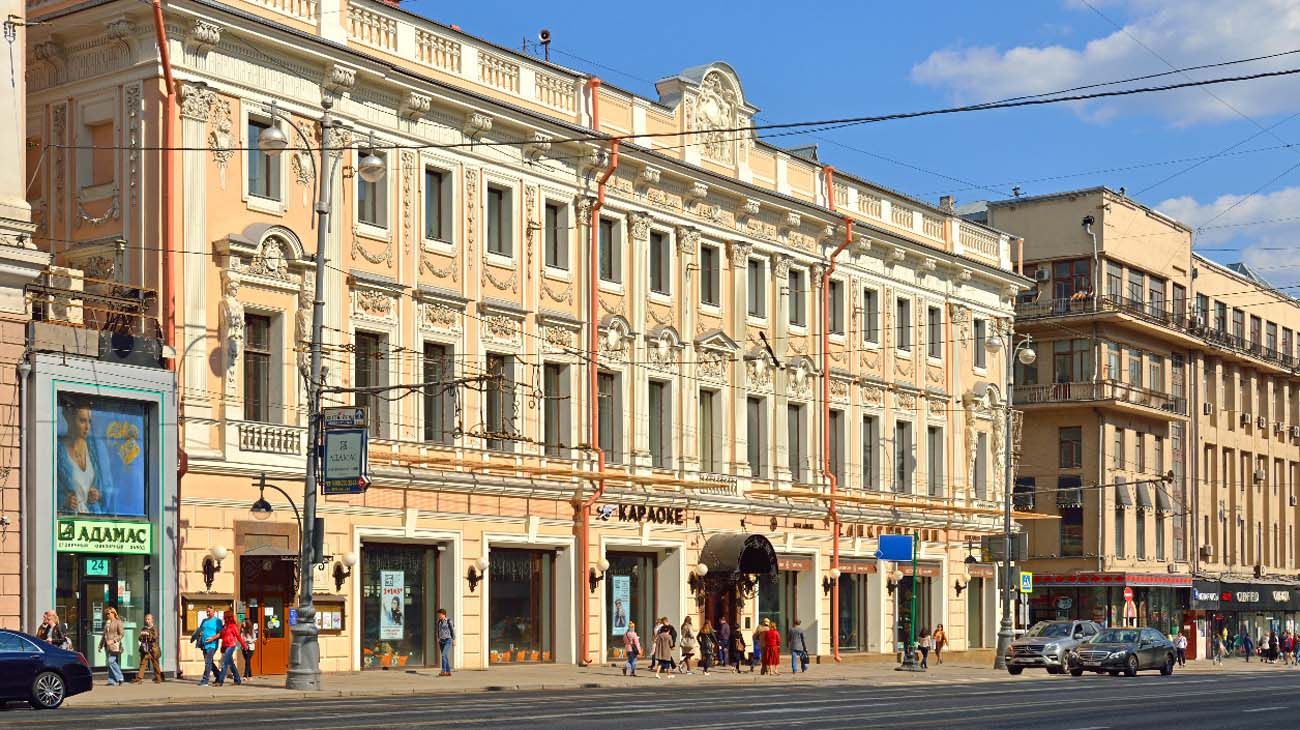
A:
[(1265, 709)]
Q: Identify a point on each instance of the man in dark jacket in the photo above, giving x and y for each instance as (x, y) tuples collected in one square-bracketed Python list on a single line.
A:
[(798, 648), (724, 641)]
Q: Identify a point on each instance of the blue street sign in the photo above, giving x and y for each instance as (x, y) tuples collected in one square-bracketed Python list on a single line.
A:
[(895, 548)]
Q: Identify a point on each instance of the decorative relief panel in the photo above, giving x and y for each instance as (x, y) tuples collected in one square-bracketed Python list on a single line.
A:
[(373, 304), (905, 401), (873, 395), (561, 295), (503, 330), (559, 340), (839, 390), (712, 365), (714, 106), (440, 316)]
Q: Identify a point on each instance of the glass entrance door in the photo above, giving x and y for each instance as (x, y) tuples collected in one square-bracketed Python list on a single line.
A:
[(96, 596)]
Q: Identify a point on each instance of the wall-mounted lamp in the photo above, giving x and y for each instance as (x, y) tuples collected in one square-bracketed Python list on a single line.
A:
[(212, 564), (696, 578), (961, 582), (476, 573), (830, 580), (343, 569), (596, 573), (893, 579)]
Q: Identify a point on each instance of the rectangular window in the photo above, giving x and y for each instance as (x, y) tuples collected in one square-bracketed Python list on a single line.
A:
[(1221, 317), (982, 466), (1270, 338), (1156, 371), (611, 257), (500, 402), (837, 307), (370, 370), (1202, 308), (709, 435), (798, 289), (500, 239), (263, 169), (756, 436), (1070, 443), (981, 336), (1071, 277), (1135, 368), (1071, 527), (756, 291), (661, 263), (870, 447), (661, 424), (871, 316), (837, 445), (1156, 297), (556, 230), (710, 276), (556, 412), (1255, 332), (1024, 374), (934, 332), (609, 416), (1120, 528), (1286, 351), (372, 197), (435, 204), (257, 367), (1160, 454), (1118, 449), (1113, 370), (1239, 327), (1114, 279), (1140, 452), (795, 433), (1137, 282), (1141, 524), (1072, 361), (1160, 536), (934, 459), (903, 459), (903, 323), (438, 394)]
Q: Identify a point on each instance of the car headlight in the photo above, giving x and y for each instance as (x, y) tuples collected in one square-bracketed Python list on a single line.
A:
[(1117, 654), (1051, 648)]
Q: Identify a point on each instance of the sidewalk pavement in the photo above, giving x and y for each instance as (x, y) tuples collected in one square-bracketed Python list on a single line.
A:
[(537, 677)]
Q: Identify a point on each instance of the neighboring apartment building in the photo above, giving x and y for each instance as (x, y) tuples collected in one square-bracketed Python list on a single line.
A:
[(1160, 422), (470, 263)]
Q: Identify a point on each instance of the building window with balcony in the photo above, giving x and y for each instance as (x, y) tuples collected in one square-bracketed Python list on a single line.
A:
[(1256, 327), (1135, 367), (437, 205), (556, 228), (1239, 327), (870, 450), (797, 286), (263, 169), (904, 461), (500, 240), (1202, 308), (837, 307), (609, 416), (372, 198), (1156, 371), (871, 316), (1071, 278), (903, 324), (1156, 297), (756, 436), (1221, 317), (1113, 371), (710, 276), (934, 332), (1118, 449), (710, 432), (370, 370), (1072, 361), (438, 394), (257, 367), (1070, 443), (661, 263), (1178, 303), (499, 402), (795, 446), (1137, 283), (1025, 374), (1287, 354), (660, 411), (556, 427), (757, 289), (611, 255), (1024, 493), (980, 327), (1120, 529), (1114, 280), (837, 445), (1140, 452)]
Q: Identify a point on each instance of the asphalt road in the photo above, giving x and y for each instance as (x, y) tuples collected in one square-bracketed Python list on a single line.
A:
[(1185, 701)]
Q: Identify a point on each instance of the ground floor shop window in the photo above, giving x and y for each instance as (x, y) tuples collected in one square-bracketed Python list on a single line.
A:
[(629, 597), (975, 614), (777, 598), (521, 606), (1154, 607), (89, 584), (903, 606), (398, 597), (853, 611)]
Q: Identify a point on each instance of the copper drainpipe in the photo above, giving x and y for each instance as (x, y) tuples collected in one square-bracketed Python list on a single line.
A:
[(168, 301), (827, 472), (593, 414)]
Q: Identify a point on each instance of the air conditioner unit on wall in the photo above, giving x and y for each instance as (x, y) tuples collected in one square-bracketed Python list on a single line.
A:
[(1207, 409), (1245, 419), (1295, 432), (1261, 422), (1278, 427), (1042, 273), (1207, 552)]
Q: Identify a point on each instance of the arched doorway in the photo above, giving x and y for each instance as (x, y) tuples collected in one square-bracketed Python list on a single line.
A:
[(735, 562)]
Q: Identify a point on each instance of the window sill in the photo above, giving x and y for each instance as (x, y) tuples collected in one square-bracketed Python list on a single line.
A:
[(269, 206), (500, 261), (713, 310), (661, 298), (611, 287), (558, 274), (797, 328), (837, 337), (931, 359), (755, 320), (905, 354), (437, 245), (102, 191), (372, 231)]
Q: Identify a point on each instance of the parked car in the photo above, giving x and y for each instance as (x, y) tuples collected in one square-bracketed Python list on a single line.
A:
[(1124, 650), (1046, 644), (44, 676)]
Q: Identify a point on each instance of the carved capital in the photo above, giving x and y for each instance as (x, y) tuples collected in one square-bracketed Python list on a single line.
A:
[(638, 224), (793, 220), (539, 145), (739, 252), (750, 207), (688, 240), (596, 158), (339, 78), (203, 35), (697, 191), (584, 207), (414, 104), (196, 101), (48, 51), (781, 267), (649, 175), (119, 28)]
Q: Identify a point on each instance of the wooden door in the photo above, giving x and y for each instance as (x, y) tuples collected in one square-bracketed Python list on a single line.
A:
[(266, 584)]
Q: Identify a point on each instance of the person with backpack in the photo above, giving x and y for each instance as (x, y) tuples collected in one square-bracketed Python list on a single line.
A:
[(798, 648), (446, 640), (631, 647)]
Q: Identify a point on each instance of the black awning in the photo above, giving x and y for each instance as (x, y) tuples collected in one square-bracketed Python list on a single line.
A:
[(1144, 497), (1069, 491), (1123, 497), (737, 553), (1164, 503)]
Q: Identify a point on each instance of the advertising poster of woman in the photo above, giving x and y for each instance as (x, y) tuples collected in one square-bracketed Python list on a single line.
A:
[(100, 457)]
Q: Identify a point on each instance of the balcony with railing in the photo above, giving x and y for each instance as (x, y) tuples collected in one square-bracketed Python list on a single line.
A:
[(1127, 397)]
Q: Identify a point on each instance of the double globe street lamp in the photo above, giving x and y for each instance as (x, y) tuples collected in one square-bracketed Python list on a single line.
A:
[(1020, 351)]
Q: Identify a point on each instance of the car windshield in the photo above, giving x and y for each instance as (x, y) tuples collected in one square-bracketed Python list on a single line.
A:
[(1116, 637), (1052, 631)]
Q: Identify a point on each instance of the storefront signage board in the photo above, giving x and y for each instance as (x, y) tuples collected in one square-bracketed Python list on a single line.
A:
[(657, 515), (97, 567), (104, 536), (345, 461)]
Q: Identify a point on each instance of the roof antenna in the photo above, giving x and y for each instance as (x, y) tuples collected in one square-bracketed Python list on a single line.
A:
[(1015, 191)]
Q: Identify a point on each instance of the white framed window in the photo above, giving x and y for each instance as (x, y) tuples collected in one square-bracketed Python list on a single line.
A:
[(798, 289), (558, 409), (263, 179), (437, 205), (709, 433), (756, 273), (870, 452), (609, 411), (980, 328), (438, 400), (903, 324), (796, 445), (499, 224), (499, 402), (661, 263), (934, 459), (370, 370), (660, 432), (836, 312), (934, 332), (756, 436), (710, 275), (372, 197), (555, 231), (904, 458), (610, 250), (871, 316)]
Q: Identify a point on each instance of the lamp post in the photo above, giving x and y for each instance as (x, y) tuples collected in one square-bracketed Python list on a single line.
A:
[(1025, 354), (304, 654)]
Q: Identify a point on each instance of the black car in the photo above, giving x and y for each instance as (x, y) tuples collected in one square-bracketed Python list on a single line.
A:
[(1123, 650), (44, 676)]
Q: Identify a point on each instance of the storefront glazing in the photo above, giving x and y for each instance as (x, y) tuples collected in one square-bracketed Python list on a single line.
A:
[(521, 606), (398, 586), (629, 597)]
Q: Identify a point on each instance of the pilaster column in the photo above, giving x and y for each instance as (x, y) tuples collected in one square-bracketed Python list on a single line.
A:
[(196, 103), (688, 242), (738, 252), (779, 439), (638, 292)]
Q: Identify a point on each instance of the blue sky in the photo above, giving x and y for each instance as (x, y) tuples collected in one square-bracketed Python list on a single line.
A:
[(800, 61)]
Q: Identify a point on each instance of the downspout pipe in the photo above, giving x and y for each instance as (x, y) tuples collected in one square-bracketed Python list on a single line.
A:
[(168, 298), (828, 472), (1096, 259), (593, 369)]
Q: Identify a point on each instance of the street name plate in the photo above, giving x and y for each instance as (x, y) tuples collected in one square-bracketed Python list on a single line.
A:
[(345, 417)]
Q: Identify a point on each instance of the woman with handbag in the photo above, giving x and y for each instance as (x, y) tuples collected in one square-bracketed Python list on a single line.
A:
[(631, 647), (688, 644), (737, 653), (111, 642), (51, 631)]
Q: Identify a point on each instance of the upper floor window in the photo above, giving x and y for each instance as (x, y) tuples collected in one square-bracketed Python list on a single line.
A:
[(836, 307), (981, 335), (934, 332), (98, 161), (499, 415), (871, 316), (437, 205), (439, 407), (1156, 296), (798, 288), (710, 276), (661, 263), (263, 169), (611, 255), (903, 324), (1221, 316), (756, 436), (1114, 279), (1071, 447), (557, 236), (1071, 361), (710, 432), (757, 288), (370, 371), (372, 197), (257, 367), (1255, 326), (1071, 277), (837, 445), (660, 411), (1202, 307), (558, 407), (1270, 337), (1239, 325), (1137, 283), (500, 239)]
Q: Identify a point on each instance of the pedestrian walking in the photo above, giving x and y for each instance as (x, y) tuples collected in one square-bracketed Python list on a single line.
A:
[(51, 631), (631, 647), (231, 639), (248, 629), (147, 646), (446, 640), (1216, 649), (708, 646), (724, 642), (1248, 645), (208, 639), (1180, 645), (111, 642), (737, 650), (798, 648), (756, 650), (940, 641), (1273, 647), (689, 644), (663, 650), (772, 650), (924, 643)]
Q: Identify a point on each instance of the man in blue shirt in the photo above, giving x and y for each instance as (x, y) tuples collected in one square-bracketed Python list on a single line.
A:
[(209, 638)]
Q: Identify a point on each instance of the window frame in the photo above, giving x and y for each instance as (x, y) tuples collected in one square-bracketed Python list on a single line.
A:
[(835, 294), (555, 236), (934, 332), (797, 290), (710, 277), (871, 316), (903, 324), (265, 354), (437, 407), (382, 200), (756, 438), (756, 288), (660, 423), (498, 226), (661, 240), (268, 163), (557, 412), (498, 398), (609, 251)]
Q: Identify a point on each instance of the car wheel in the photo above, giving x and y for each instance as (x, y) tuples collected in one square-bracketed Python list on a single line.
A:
[(1168, 667), (1076, 672), (1015, 670), (1053, 670), (1131, 668), (48, 691)]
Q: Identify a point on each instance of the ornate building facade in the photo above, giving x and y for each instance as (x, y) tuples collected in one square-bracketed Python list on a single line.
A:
[(526, 212)]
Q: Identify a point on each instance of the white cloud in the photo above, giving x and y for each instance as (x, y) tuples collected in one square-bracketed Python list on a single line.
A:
[(1265, 228), (1186, 33)]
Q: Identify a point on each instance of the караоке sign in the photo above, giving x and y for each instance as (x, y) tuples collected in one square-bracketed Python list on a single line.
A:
[(77, 535)]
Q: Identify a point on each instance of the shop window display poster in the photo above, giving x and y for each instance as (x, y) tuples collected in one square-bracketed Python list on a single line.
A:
[(100, 456), (621, 586), (392, 609)]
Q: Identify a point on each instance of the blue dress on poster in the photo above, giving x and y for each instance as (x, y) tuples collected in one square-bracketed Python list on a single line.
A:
[(109, 438)]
